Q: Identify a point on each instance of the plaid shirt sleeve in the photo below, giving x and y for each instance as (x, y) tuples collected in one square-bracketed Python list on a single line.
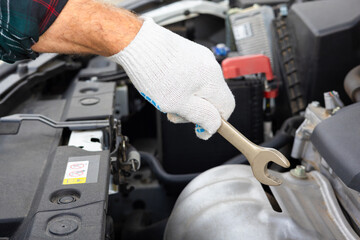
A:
[(21, 24)]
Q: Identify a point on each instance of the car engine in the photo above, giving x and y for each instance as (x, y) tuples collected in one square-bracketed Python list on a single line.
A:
[(84, 156)]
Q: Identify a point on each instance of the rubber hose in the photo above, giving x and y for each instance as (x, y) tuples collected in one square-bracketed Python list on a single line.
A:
[(278, 141), (352, 84), (282, 137), (163, 176)]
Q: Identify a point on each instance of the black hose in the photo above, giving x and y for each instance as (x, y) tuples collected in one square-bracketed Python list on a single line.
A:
[(282, 137), (291, 125), (161, 175)]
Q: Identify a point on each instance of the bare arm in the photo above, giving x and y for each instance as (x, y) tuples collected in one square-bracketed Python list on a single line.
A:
[(89, 27), (177, 76)]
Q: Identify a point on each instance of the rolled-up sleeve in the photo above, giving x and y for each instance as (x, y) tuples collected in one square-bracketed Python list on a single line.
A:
[(21, 24)]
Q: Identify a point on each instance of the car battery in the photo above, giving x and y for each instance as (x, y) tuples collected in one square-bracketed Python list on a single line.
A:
[(182, 152)]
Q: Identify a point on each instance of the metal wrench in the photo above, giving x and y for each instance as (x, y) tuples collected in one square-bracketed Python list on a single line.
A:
[(257, 156)]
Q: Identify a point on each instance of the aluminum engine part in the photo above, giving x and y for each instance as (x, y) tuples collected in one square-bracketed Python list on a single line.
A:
[(303, 149), (314, 114), (227, 202), (348, 198)]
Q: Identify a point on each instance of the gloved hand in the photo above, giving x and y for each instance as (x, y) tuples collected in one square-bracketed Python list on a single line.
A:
[(179, 77)]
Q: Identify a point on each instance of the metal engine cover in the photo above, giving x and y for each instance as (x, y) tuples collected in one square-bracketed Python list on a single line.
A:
[(227, 202)]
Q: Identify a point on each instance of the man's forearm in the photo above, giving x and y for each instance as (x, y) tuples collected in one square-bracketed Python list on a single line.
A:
[(177, 76), (89, 27)]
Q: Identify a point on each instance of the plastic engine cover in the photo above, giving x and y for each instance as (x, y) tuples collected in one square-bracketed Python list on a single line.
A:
[(326, 38), (337, 140)]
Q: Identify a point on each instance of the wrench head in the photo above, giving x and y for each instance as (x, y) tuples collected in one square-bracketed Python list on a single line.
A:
[(260, 162)]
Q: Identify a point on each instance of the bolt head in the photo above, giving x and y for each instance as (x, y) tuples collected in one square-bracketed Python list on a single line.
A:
[(299, 172)]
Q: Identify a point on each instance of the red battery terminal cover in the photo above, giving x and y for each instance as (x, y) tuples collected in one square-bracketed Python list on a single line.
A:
[(245, 65), (273, 93)]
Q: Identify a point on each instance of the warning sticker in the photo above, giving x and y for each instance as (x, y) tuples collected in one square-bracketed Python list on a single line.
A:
[(76, 172), (242, 31), (83, 169)]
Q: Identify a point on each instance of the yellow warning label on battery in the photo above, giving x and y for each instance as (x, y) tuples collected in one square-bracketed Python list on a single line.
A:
[(76, 172), (74, 181)]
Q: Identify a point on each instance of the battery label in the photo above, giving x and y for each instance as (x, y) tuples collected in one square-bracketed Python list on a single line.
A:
[(242, 31), (81, 170), (76, 172)]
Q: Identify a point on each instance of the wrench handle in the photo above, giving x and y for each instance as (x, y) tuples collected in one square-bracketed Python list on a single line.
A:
[(239, 141)]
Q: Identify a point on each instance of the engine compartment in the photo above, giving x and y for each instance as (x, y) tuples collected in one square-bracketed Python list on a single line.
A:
[(85, 156)]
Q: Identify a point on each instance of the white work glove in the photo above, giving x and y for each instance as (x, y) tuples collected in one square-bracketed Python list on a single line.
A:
[(179, 77)]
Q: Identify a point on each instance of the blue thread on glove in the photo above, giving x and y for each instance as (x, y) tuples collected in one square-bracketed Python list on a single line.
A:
[(199, 129), (150, 101)]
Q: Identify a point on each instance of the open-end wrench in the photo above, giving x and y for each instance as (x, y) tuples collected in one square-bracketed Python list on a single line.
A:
[(258, 157)]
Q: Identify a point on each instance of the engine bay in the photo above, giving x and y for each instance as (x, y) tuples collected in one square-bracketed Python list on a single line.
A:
[(85, 156)]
